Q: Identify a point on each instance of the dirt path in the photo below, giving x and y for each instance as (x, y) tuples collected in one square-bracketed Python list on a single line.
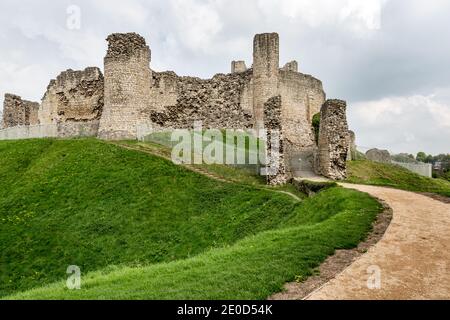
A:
[(413, 257)]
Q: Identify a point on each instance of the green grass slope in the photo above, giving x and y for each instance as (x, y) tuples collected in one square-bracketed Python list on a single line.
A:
[(91, 204), (140, 227), (375, 173), (253, 268)]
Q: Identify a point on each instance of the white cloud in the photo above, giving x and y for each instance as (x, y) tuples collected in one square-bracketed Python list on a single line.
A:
[(360, 17), (366, 13), (402, 124), (198, 23)]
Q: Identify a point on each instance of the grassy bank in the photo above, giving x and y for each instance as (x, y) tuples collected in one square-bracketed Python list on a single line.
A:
[(375, 173), (253, 268), (140, 227)]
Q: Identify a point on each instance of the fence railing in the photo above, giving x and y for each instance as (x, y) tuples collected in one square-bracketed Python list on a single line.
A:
[(60, 130)]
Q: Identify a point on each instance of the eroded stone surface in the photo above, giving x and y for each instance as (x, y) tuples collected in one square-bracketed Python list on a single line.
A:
[(216, 102), (275, 157), (75, 96), (18, 112), (333, 140), (128, 79)]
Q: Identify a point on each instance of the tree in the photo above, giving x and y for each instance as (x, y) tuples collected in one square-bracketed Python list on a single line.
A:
[(421, 156)]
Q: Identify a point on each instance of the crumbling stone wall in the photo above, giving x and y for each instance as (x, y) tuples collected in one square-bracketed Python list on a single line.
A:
[(333, 140), (128, 80), (275, 158), (176, 102), (18, 112), (74, 96), (291, 66)]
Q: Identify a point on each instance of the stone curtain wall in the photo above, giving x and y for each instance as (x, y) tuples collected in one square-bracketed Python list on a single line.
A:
[(275, 158), (333, 140), (128, 80), (18, 112), (75, 96), (176, 102), (302, 97)]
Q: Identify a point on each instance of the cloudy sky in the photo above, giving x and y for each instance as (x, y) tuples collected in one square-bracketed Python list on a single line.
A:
[(390, 59)]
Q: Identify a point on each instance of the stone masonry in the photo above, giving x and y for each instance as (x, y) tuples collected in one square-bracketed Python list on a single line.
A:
[(18, 112), (217, 102), (75, 96), (266, 57), (128, 80), (333, 140), (131, 95), (238, 66), (274, 156)]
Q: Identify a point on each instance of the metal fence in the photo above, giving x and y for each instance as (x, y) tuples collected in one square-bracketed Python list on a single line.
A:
[(60, 130)]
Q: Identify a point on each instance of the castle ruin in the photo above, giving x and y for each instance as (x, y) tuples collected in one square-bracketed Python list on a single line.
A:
[(130, 93)]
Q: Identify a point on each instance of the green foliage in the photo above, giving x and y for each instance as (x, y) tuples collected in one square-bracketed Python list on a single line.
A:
[(421, 156), (140, 227), (368, 172), (316, 125), (404, 157)]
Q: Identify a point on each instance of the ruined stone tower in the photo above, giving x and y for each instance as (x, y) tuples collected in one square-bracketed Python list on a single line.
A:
[(127, 85), (266, 58)]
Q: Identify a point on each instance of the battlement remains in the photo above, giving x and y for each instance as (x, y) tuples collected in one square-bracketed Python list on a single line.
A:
[(238, 66), (18, 112), (75, 96), (125, 45)]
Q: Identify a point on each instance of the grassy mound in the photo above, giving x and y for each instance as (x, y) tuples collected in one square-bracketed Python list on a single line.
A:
[(253, 268), (91, 204), (375, 173), (140, 227)]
